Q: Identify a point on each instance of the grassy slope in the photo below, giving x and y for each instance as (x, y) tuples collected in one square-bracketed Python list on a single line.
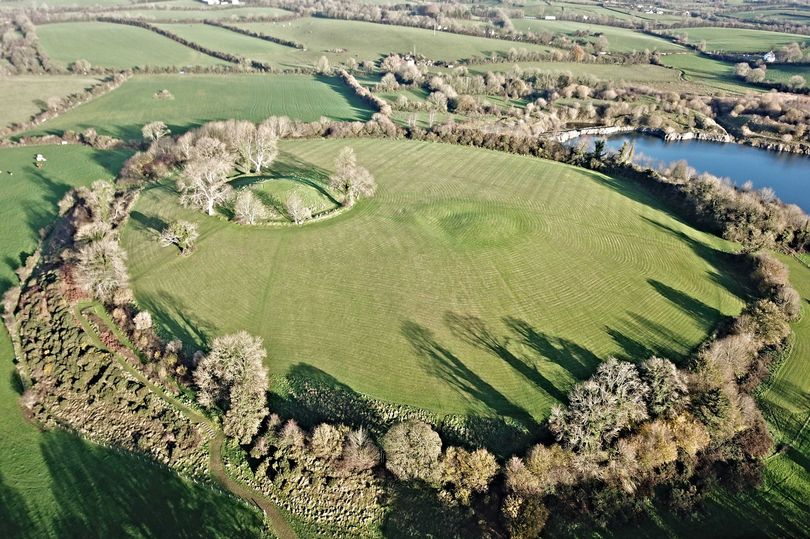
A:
[(54, 484), (564, 266), (619, 39), (202, 98), (709, 73), (740, 39), (23, 96), (370, 41), (115, 45)]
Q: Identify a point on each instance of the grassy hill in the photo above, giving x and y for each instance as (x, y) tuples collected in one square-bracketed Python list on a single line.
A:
[(115, 45), (52, 483), (202, 98), (23, 96), (740, 39), (474, 282), (619, 39), (370, 41)]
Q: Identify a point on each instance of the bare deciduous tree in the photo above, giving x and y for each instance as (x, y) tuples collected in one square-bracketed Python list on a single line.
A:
[(412, 451), (204, 180), (601, 407), (233, 377), (183, 234), (155, 131), (350, 178), (248, 209), (297, 210), (101, 270)]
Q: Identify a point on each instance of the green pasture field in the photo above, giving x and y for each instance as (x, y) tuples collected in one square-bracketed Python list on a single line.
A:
[(371, 41), (224, 40), (203, 98), (23, 96), (774, 15), (712, 75), (782, 73), (115, 45), (222, 14), (52, 483), (474, 282), (740, 39), (619, 39)]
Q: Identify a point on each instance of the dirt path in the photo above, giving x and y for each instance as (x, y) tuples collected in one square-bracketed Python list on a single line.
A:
[(278, 523)]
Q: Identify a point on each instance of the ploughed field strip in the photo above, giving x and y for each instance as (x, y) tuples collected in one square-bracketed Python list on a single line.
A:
[(113, 45), (196, 99), (473, 282)]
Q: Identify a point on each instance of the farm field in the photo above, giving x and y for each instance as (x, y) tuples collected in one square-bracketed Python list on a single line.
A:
[(23, 96), (111, 45), (370, 41), (709, 73), (494, 240), (740, 39), (782, 73), (201, 98), (224, 40), (223, 14), (619, 39), (53, 483)]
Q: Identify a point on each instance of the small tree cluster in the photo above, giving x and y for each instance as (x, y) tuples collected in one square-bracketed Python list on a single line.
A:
[(232, 377), (351, 179), (181, 233)]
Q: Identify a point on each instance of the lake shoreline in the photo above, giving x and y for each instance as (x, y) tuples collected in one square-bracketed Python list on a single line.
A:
[(608, 131)]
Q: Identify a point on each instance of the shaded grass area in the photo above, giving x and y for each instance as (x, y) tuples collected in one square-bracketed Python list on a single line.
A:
[(115, 45), (53, 483), (474, 282), (202, 98), (23, 96)]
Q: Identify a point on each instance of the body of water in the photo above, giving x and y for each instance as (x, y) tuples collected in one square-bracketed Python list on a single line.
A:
[(787, 174)]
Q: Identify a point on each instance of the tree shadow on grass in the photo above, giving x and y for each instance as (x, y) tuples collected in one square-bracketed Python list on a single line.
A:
[(662, 341), (442, 363), (149, 224), (730, 269), (358, 105), (706, 314), (171, 316), (417, 511), (106, 493), (577, 360), (474, 330), (15, 514), (290, 167)]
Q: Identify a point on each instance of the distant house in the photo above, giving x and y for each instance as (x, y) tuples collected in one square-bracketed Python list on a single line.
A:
[(550, 18), (769, 57), (40, 158)]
